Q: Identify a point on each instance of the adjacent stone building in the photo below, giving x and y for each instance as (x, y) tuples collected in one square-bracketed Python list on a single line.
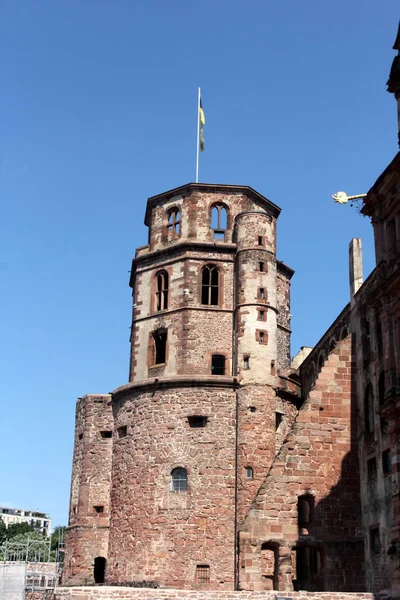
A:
[(221, 465)]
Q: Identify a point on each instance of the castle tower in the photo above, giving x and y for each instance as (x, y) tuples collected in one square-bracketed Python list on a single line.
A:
[(194, 429), (394, 78)]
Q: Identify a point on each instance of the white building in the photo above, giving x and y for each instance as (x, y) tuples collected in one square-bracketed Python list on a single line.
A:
[(40, 521)]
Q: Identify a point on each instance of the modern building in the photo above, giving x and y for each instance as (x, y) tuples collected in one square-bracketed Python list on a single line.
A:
[(40, 521)]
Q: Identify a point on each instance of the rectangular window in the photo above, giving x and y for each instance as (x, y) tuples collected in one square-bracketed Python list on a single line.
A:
[(375, 541), (122, 431), (157, 351), (260, 240), (99, 509), (246, 362), (371, 469), (262, 315), (197, 421), (106, 434), (261, 293), (278, 420), (261, 267), (202, 574), (218, 364), (386, 462)]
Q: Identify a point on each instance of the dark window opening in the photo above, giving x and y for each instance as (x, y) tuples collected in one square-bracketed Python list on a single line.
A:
[(371, 469), (106, 434), (366, 341), (273, 367), (99, 508), (122, 431), (99, 569), (278, 420), (80, 436), (218, 364), (269, 565), (261, 267), (260, 240), (162, 291), (308, 567), (174, 222), (249, 473), (219, 221), (160, 346), (246, 362), (384, 424), (202, 574), (379, 341), (261, 293), (375, 541), (197, 421), (381, 388), (252, 409), (179, 479), (369, 411), (262, 315), (386, 462), (210, 285), (321, 361), (261, 337), (305, 507)]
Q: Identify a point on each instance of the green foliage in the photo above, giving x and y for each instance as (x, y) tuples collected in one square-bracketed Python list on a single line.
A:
[(57, 537), (26, 546), (3, 531), (18, 529)]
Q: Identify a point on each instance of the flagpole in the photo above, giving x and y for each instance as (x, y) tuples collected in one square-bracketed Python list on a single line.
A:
[(198, 134)]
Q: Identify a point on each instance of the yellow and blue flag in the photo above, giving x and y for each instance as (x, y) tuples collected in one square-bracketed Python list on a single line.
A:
[(202, 122)]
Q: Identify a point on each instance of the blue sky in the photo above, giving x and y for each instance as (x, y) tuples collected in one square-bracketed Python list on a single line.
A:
[(98, 112)]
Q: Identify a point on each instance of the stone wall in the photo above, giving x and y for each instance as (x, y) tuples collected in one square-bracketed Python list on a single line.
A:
[(128, 593), (323, 548)]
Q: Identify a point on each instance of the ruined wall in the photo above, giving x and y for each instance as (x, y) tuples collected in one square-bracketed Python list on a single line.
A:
[(158, 533), (322, 550), (87, 533)]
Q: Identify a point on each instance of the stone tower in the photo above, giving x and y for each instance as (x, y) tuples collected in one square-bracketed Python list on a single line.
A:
[(194, 430)]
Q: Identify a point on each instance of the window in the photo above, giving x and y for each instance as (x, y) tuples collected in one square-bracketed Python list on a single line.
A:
[(99, 509), (249, 473), (261, 293), (80, 436), (386, 462), (273, 368), (371, 469), (278, 420), (219, 221), (106, 434), (375, 541), (218, 364), (305, 507), (197, 421), (308, 565), (174, 222), (262, 315), (158, 347), (381, 388), (246, 362), (378, 333), (162, 290), (252, 409), (260, 240), (261, 336), (210, 285), (202, 574), (269, 564), (179, 480), (261, 267), (369, 411), (122, 431)]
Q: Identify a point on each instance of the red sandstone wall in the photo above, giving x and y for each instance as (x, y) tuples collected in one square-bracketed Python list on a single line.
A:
[(156, 533), (319, 457), (87, 532)]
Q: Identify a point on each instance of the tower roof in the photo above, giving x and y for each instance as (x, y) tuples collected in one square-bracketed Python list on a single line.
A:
[(396, 45), (269, 206)]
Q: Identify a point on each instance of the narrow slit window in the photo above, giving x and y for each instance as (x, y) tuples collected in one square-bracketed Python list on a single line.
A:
[(261, 337), (246, 362), (174, 222), (179, 479), (369, 411), (305, 507), (262, 314), (371, 469), (386, 462), (162, 290), (261, 293), (261, 267), (210, 285), (249, 473), (260, 240), (278, 420), (375, 541), (160, 347), (218, 364)]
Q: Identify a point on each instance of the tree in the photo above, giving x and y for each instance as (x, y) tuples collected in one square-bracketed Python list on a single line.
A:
[(18, 529), (27, 546), (57, 537), (3, 531)]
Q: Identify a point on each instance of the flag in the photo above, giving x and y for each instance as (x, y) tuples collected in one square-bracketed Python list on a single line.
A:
[(202, 122)]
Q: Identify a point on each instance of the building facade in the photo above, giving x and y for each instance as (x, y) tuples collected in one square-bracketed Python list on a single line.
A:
[(40, 521)]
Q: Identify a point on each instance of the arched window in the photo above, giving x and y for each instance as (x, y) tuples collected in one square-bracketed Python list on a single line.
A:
[(179, 479), (162, 290), (219, 221), (174, 222), (210, 285), (321, 361), (369, 410)]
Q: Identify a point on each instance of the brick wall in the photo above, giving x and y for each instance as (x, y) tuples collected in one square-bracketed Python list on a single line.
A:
[(318, 458)]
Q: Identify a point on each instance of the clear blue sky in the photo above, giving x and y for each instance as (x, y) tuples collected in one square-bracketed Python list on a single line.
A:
[(98, 112)]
